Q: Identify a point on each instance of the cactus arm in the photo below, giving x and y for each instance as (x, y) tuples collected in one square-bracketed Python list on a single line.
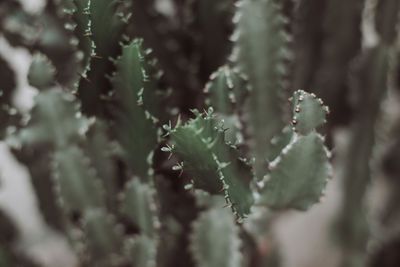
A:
[(104, 28), (214, 165), (134, 100), (260, 52), (142, 251), (298, 177), (74, 179), (309, 112), (98, 149), (53, 121), (103, 237), (215, 240), (299, 174), (226, 92), (136, 204)]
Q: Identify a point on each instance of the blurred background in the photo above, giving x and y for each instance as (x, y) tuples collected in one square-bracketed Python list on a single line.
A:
[(360, 212)]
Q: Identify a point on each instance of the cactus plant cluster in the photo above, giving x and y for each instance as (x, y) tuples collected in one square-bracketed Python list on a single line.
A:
[(166, 140)]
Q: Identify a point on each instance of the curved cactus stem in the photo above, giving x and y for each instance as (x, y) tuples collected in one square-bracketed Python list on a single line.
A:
[(103, 237), (53, 122), (75, 181), (142, 251), (98, 149), (215, 166), (41, 72), (226, 90), (215, 240), (298, 176), (135, 104), (260, 52), (103, 28), (309, 112), (137, 205)]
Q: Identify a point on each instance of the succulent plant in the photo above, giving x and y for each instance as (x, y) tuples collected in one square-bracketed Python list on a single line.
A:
[(162, 141)]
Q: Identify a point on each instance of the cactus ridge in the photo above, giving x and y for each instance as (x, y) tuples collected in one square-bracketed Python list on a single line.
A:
[(302, 148), (215, 240), (260, 52), (74, 179), (104, 35), (46, 125), (215, 165), (226, 90), (137, 204), (135, 106), (142, 250), (103, 237)]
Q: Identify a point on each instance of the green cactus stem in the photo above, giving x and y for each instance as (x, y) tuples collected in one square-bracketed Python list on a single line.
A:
[(103, 238), (214, 166), (135, 106), (226, 92), (215, 240), (298, 176), (138, 206), (299, 172), (260, 52), (74, 179), (104, 37), (141, 250)]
